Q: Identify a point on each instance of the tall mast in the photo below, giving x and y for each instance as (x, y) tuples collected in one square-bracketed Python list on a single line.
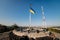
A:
[(43, 18)]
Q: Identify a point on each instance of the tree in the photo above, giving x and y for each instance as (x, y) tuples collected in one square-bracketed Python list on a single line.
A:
[(15, 26)]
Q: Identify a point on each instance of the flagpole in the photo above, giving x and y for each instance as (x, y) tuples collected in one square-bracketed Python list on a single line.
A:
[(30, 19), (30, 16), (31, 12)]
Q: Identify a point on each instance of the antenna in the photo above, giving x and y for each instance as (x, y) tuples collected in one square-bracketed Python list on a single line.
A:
[(43, 18)]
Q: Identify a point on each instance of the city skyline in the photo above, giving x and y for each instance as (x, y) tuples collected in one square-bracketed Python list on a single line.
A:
[(17, 11)]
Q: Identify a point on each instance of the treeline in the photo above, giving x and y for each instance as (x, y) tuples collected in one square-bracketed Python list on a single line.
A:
[(54, 30), (4, 28)]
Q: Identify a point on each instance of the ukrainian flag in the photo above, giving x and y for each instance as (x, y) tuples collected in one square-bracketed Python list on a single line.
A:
[(32, 11)]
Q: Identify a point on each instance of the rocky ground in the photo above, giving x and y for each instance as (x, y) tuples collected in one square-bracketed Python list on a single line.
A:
[(5, 35)]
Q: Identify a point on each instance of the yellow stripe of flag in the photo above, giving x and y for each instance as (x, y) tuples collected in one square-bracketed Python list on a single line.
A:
[(31, 11)]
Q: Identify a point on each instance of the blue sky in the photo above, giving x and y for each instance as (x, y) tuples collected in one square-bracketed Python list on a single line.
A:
[(17, 11)]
